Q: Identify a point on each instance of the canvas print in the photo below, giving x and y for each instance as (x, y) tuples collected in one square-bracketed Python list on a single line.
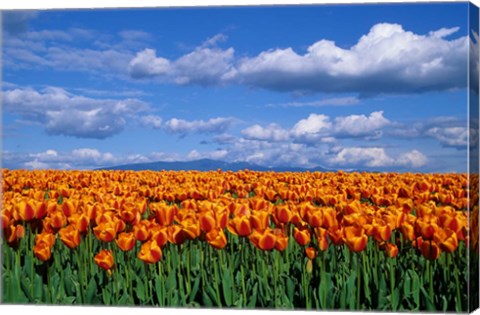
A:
[(282, 157)]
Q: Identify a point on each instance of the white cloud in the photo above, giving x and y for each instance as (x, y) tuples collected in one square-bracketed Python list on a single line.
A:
[(183, 127), (203, 66), (313, 125), (319, 128), (376, 157), (450, 136), (63, 113), (360, 125), (147, 64), (413, 158), (271, 132), (386, 60), (153, 121)]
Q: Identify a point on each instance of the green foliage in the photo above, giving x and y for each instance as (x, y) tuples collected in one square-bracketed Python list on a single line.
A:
[(195, 274)]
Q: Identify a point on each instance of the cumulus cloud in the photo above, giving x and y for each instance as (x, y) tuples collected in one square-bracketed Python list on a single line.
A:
[(214, 125), (361, 125), (448, 131), (376, 157), (450, 136), (271, 132), (319, 128), (152, 121), (388, 59), (203, 66), (63, 113)]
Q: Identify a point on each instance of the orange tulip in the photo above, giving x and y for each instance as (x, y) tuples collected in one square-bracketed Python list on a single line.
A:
[(301, 235), (448, 242), (126, 241), (216, 238), (260, 220), (80, 221), (160, 235), (407, 231), (25, 211), (310, 252), (391, 250), (426, 229), (315, 218), (42, 251), (58, 220), (70, 236), (207, 222), (266, 240), (68, 208), (130, 213), (322, 241), (382, 232), (240, 226), (104, 259), (283, 213), (282, 240), (430, 250), (106, 231), (48, 238), (164, 213), (141, 230), (150, 252), (14, 233), (355, 238), (176, 234)]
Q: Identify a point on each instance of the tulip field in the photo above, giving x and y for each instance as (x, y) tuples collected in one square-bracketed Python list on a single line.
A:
[(246, 239)]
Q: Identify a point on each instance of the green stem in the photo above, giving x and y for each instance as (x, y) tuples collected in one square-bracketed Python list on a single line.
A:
[(392, 282), (359, 274)]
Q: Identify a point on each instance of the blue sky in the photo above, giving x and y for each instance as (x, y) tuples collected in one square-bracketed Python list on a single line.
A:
[(374, 87)]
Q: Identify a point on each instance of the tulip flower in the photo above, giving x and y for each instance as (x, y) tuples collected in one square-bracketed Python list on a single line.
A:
[(216, 238), (301, 235), (125, 241), (355, 238), (104, 259), (70, 236), (240, 226), (150, 252)]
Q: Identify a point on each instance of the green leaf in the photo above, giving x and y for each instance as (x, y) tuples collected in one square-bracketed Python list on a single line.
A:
[(253, 297), (106, 297), (227, 287), (290, 289), (159, 289), (194, 291), (68, 300), (207, 301), (25, 284), (91, 291), (429, 303), (140, 290), (38, 288), (396, 299)]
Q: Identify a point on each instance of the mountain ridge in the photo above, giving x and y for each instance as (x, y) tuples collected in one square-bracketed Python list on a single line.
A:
[(209, 165)]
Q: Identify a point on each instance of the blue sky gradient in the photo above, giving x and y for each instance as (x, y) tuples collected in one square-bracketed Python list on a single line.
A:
[(374, 87)]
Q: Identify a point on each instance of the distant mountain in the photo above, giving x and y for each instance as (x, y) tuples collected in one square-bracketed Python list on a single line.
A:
[(208, 165)]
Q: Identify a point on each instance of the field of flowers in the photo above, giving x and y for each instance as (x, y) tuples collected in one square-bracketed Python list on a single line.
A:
[(351, 241)]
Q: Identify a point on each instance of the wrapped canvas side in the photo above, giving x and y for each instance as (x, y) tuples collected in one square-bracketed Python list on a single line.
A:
[(473, 155)]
